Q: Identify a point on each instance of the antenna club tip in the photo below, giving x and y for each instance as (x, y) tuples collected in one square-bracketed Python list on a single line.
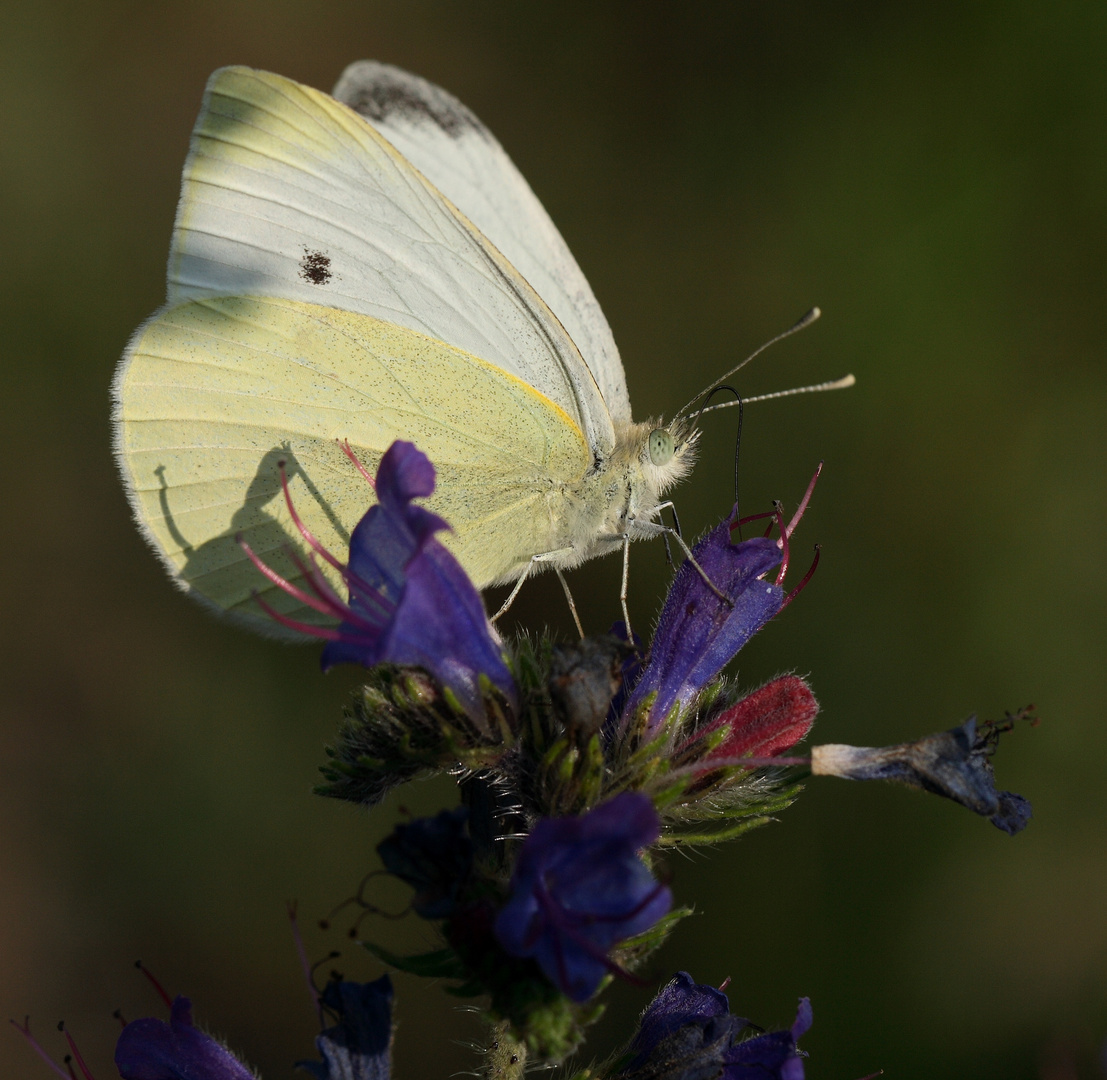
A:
[(815, 313), (848, 380)]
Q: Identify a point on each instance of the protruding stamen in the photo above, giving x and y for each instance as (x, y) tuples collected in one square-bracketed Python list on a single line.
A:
[(348, 451), (118, 1014), (24, 1029), (85, 1071), (305, 532), (782, 543), (806, 578), (328, 633), (282, 583), (804, 501), (154, 982)]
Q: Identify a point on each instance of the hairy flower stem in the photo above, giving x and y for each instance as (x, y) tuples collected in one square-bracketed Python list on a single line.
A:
[(507, 1057)]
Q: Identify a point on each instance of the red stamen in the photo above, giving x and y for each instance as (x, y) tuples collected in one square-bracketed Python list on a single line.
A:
[(68, 1059), (804, 501), (345, 445), (782, 543), (725, 983), (118, 1014), (806, 578), (282, 583), (755, 517), (24, 1029), (308, 536), (76, 1053), (326, 632), (347, 576), (154, 982), (328, 600)]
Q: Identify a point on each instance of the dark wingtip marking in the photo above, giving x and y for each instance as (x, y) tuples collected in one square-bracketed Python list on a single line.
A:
[(412, 101), (315, 267)]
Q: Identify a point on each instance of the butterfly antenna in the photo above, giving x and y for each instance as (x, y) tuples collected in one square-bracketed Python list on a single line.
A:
[(802, 324), (844, 383)]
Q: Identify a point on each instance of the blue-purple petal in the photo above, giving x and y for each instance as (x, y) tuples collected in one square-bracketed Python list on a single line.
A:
[(151, 1049), (698, 633), (580, 887), (683, 1003), (772, 1056), (415, 603)]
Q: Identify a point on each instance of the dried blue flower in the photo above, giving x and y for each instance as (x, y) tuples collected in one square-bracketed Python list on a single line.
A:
[(688, 1033), (434, 856), (359, 1046), (151, 1049), (579, 887), (955, 764), (410, 602)]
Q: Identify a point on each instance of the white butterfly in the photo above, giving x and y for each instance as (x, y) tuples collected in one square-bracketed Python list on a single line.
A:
[(367, 267)]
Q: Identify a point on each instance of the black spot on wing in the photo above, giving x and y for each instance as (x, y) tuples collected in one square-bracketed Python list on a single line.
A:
[(386, 95), (315, 267)]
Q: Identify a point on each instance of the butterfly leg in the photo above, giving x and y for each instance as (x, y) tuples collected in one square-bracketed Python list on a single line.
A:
[(653, 528), (569, 597), (676, 525), (623, 590), (544, 556)]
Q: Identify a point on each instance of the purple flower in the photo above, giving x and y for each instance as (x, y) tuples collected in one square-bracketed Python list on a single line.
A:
[(152, 1049), (359, 1046), (410, 602), (688, 1033), (698, 633), (772, 1056), (579, 887)]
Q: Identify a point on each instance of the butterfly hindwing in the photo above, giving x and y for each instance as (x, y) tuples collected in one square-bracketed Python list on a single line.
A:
[(215, 394)]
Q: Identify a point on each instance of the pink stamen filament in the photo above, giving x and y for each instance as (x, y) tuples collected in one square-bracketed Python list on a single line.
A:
[(783, 545), (24, 1029), (328, 600), (282, 583), (154, 982), (319, 584), (328, 633), (308, 536), (804, 501), (346, 449), (77, 1053), (806, 578)]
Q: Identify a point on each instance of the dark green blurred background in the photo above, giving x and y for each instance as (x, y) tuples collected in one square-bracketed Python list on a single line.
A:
[(935, 177)]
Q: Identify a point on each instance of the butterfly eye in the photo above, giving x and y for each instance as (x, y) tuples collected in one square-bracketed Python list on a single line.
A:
[(661, 446)]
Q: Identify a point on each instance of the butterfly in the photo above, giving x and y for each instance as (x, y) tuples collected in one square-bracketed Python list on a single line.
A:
[(356, 269)]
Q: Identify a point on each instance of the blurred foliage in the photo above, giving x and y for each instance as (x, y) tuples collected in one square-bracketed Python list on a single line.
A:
[(934, 177)]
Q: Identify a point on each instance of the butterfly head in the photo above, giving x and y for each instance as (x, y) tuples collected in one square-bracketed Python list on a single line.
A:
[(667, 452)]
